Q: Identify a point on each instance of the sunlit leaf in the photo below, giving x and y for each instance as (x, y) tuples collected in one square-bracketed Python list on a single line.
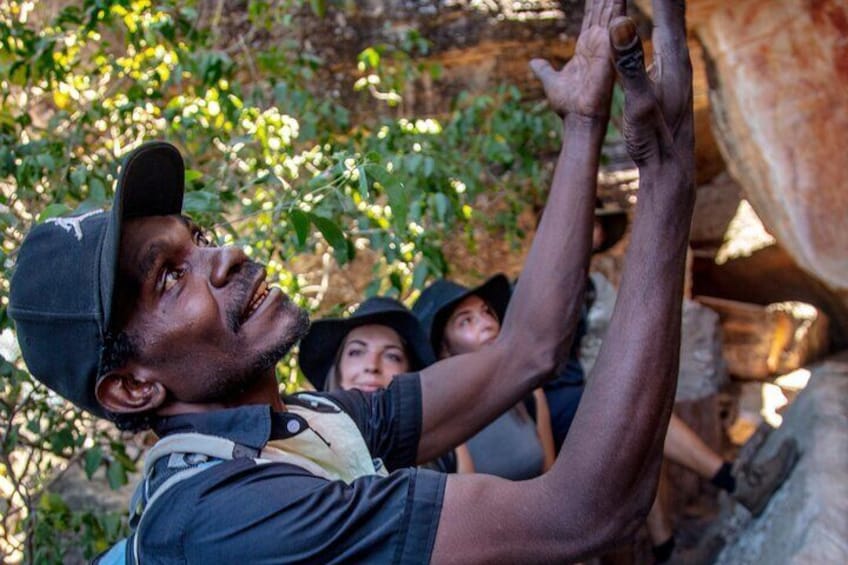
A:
[(300, 221), (116, 474), (92, 459), (334, 236)]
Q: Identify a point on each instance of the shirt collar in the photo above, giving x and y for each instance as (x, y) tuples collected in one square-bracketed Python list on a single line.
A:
[(252, 425)]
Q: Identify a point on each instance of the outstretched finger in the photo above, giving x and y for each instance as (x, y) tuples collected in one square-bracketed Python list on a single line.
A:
[(543, 71), (669, 23), (644, 128), (629, 58), (672, 69), (611, 9), (589, 18)]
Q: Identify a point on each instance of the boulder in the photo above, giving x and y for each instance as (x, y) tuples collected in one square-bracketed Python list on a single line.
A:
[(762, 341), (806, 520), (777, 78)]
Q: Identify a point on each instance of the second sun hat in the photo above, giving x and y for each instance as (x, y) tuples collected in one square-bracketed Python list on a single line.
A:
[(437, 301), (64, 280), (319, 346)]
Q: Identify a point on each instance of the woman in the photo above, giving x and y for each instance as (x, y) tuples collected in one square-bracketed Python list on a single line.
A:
[(519, 444), (366, 350)]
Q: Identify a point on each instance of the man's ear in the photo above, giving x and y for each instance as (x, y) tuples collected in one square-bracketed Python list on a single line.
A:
[(130, 391)]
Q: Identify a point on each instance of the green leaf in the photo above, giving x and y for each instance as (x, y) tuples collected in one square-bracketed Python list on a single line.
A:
[(116, 474), (300, 221), (92, 460), (96, 190), (419, 275), (52, 502), (319, 7), (200, 201), (61, 440), (363, 181), (46, 161), (396, 281), (370, 56), (334, 236), (52, 211), (192, 175), (399, 202), (78, 175), (429, 166), (442, 204)]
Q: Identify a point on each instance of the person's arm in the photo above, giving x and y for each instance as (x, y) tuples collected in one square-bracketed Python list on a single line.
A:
[(603, 484), (464, 462), (539, 323), (543, 428)]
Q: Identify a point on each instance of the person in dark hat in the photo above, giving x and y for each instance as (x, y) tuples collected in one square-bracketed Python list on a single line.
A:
[(133, 315), (365, 351), (518, 445), (322, 348)]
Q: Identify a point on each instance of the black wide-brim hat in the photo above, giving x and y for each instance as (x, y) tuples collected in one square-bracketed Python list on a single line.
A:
[(64, 281), (614, 222), (437, 302), (319, 346)]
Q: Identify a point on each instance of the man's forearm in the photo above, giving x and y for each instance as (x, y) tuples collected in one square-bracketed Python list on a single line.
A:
[(546, 304)]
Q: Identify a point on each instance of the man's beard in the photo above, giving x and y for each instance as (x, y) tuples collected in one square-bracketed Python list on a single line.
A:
[(223, 387)]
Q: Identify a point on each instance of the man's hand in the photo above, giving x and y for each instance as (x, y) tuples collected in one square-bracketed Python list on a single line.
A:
[(665, 88), (584, 85)]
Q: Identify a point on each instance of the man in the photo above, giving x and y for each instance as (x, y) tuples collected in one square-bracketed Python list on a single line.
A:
[(190, 334)]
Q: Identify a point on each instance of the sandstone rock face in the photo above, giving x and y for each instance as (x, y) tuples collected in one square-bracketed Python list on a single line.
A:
[(779, 72), (806, 520)]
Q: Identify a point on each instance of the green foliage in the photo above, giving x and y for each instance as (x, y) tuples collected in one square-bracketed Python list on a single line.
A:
[(273, 165)]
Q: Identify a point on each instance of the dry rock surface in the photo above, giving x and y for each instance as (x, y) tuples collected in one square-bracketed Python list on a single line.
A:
[(777, 92)]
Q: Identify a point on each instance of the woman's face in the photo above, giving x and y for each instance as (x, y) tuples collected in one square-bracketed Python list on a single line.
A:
[(471, 325), (371, 356)]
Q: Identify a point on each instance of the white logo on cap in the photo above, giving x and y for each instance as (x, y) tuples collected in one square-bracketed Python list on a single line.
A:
[(72, 224)]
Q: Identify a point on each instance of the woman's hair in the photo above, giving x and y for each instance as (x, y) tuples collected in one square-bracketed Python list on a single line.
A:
[(334, 375)]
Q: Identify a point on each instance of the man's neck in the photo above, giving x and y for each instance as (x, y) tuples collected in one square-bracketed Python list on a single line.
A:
[(265, 391)]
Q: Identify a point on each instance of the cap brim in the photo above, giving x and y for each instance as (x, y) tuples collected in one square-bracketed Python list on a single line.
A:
[(151, 183), (319, 347)]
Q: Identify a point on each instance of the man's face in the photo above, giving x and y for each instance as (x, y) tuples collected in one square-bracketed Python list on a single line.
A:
[(203, 317), (471, 325)]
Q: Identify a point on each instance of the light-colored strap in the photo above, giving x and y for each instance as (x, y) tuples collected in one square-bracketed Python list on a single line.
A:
[(213, 446)]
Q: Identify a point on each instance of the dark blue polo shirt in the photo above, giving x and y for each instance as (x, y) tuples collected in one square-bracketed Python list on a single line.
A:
[(238, 511)]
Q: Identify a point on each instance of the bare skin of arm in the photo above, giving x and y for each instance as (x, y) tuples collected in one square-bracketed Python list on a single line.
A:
[(685, 447), (464, 463), (603, 484), (543, 428), (532, 341)]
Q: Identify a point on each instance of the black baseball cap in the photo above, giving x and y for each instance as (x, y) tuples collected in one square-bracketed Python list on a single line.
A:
[(64, 279), (319, 346), (437, 302)]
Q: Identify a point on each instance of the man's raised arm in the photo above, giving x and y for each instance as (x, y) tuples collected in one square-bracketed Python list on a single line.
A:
[(539, 324), (604, 481)]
